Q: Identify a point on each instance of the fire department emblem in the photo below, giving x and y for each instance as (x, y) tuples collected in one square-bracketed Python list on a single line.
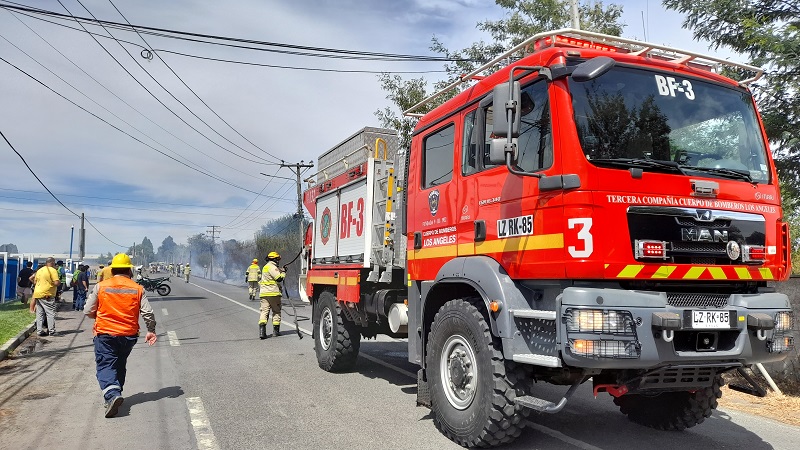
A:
[(433, 202), (733, 250), (325, 225)]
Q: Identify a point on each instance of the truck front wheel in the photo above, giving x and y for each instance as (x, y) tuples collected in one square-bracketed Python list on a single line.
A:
[(472, 399), (671, 410), (336, 339)]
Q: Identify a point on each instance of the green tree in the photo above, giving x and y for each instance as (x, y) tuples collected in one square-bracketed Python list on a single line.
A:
[(167, 249), (523, 19), (768, 32)]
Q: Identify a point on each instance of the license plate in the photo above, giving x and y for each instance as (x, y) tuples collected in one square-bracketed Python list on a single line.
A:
[(711, 319), (515, 226)]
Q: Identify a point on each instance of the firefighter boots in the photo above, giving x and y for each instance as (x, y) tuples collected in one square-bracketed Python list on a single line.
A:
[(276, 330), (262, 331)]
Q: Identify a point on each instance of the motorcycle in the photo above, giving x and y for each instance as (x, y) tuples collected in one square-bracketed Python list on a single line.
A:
[(156, 284)]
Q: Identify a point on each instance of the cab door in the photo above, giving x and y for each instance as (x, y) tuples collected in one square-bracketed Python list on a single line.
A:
[(514, 222), (432, 209)]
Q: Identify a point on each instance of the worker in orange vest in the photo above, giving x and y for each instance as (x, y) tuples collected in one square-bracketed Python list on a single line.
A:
[(116, 303)]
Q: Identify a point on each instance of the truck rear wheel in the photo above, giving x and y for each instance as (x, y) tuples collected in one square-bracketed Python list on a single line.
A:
[(472, 399), (336, 339), (671, 410)]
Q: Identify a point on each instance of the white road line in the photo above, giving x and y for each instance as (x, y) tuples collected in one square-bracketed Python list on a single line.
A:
[(308, 332), (561, 436), (541, 428), (173, 339), (164, 311), (202, 426)]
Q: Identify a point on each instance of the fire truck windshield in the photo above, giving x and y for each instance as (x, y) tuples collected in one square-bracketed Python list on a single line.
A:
[(633, 115)]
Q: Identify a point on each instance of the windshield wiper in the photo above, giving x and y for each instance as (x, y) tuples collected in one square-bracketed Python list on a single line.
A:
[(669, 166), (730, 173)]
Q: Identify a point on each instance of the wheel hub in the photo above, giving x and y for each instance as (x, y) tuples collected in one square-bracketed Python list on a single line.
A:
[(459, 374), (326, 328)]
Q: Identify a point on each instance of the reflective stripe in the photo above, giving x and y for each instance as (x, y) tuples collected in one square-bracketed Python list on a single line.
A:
[(122, 291), (111, 388)]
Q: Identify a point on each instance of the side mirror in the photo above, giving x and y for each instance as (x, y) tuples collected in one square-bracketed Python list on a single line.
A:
[(497, 151), (502, 94), (593, 68)]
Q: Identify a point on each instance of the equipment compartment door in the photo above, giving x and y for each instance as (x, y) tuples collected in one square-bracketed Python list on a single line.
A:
[(354, 215), (326, 226)]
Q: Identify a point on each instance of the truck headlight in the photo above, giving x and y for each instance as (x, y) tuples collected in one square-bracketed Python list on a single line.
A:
[(780, 344), (783, 321), (604, 348), (600, 321)]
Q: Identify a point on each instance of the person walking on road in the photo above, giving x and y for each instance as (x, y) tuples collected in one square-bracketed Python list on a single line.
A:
[(74, 286), (187, 271), (116, 304), (104, 273), (25, 291), (82, 288), (251, 276), (46, 284), (270, 295)]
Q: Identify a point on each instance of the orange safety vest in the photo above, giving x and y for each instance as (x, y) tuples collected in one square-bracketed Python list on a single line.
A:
[(118, 302)]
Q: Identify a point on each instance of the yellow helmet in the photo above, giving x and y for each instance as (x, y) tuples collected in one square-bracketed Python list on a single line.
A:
[(121, 261), (255, 261), (273, 255)]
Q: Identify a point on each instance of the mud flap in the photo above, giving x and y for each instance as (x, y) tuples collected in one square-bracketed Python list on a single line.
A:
[(423, 394)]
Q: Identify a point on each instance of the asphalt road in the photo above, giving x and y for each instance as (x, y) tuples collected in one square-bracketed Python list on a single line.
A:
[(210, 383)]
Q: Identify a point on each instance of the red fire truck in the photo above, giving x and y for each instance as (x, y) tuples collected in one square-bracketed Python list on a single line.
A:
[(601, 211)]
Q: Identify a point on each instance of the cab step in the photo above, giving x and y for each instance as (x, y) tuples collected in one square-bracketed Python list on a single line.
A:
[(542, 405)]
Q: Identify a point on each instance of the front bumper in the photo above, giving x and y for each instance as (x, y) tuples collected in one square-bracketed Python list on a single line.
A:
[(656, 333)]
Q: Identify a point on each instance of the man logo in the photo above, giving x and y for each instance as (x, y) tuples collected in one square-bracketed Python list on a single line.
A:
[(704, 215), (433, 202)]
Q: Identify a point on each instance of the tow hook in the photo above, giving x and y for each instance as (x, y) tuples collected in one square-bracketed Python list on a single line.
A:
[(614, 389)]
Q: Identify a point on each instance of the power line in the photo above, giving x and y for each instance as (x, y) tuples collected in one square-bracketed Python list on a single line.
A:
[(189, 55), (48, 189), (321, 51), (112, 113), (275, 66), (34, 174), (145, 201), (151, 93), (125, 132), (187, 86)]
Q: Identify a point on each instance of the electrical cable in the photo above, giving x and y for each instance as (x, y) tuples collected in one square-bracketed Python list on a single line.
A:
[(151, 93), (125, 132), (145, 29), (128, 104), (116, 116), (48, 189), (144, 201), (311, 69)]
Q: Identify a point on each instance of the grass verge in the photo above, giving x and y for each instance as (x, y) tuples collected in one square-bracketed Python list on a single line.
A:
[(14, 317)]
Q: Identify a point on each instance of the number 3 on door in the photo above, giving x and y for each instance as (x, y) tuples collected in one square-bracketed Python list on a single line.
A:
[(584, 234)]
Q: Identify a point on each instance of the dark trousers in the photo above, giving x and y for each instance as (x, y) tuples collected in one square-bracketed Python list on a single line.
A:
[(80, 300), (111, 355)]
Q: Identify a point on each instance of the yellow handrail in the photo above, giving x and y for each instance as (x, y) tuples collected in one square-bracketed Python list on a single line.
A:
[(379, 141)]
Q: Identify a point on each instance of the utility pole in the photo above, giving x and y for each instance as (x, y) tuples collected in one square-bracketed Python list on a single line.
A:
[(296, 169), (82, 238), (212, 231), (576, 20)]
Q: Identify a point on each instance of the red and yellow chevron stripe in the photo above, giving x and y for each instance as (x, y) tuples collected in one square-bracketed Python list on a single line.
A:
[(687, 272)]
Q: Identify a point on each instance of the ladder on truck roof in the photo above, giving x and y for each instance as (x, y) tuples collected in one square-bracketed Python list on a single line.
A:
[(633, 47)]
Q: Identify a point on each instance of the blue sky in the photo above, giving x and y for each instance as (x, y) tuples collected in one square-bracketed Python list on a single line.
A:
[(129, 190)]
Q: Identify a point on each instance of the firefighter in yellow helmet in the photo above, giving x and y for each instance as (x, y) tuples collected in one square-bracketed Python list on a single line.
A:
[(270, 295), (251, 276)]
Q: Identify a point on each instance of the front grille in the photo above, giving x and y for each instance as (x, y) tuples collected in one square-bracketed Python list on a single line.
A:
[(685, 222), (698, 247), (681, 300)]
